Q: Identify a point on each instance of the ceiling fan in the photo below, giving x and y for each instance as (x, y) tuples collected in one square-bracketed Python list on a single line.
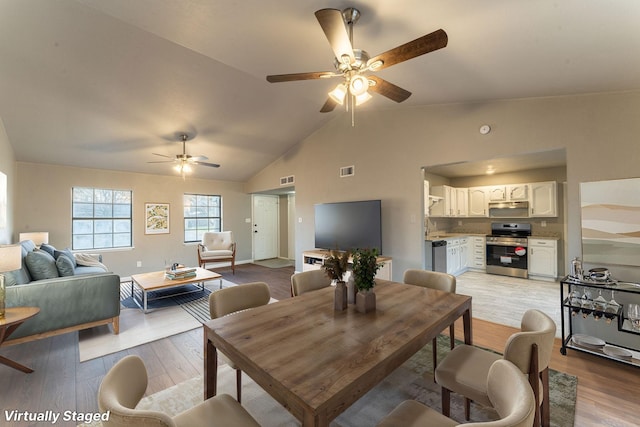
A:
[(353, 65), (184, 161)]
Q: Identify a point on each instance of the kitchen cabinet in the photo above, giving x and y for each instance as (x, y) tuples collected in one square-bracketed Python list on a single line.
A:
[(447, 206), (478, 202), (543, 258), (458, 254), (518, 192), (497, 193), (463, 254), (453, 256), (544, 200), (462, 202), (477, 253)]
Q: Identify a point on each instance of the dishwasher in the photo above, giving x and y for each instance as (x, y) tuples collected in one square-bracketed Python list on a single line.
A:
[(436, 255)]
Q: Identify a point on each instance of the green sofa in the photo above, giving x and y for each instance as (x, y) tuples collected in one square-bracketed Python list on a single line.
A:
[(70, 297)]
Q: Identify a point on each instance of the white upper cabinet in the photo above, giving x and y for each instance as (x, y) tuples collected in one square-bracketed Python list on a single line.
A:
[(544, 200), (518, 192), (497, 193), (478, 201), (447, 205), (455, 202), (462, 202)]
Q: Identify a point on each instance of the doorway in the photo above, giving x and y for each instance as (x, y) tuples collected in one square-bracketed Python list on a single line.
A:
[(265, 226)]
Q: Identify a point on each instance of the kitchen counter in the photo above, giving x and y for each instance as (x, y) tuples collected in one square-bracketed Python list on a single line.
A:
[(446, 235)]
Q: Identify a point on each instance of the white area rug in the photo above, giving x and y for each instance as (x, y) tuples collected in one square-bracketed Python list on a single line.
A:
[(137, 328)]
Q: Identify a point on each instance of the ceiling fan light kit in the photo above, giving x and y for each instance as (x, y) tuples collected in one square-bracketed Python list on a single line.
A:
[(184, 162), (353, 64)]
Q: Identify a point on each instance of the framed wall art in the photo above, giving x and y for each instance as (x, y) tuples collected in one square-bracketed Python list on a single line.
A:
[(156, 217), (611, 221)]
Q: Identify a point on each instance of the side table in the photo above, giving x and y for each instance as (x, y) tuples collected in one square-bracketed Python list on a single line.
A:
[(14, 317)]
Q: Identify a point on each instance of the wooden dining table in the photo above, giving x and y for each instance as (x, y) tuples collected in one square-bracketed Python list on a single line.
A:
[(317, 361)]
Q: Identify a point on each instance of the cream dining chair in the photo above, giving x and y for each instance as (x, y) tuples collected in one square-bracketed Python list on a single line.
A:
[(434, 280), (308, 281), (125, 384), (237, 298), (508, 391), (464, 370)]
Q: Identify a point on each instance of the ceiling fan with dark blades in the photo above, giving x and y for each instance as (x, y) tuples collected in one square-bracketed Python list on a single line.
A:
[(354, 65), (184, 161)]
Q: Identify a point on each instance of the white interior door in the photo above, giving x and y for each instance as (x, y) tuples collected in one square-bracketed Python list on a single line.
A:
[(265, 227)]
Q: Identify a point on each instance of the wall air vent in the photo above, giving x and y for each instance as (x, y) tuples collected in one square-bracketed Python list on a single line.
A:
[(347, 171), (287, 180)]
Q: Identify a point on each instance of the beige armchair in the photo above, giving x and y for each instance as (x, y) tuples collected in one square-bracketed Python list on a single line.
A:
[(125, 384), (217, 247), (465, 368), (434, 280), (308, 281), (508, 391), (233, 299)]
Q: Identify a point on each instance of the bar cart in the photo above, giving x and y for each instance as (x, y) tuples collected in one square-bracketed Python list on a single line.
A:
[(594, 318)]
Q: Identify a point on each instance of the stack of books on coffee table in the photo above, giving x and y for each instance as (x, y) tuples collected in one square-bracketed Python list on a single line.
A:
[(180, 273)]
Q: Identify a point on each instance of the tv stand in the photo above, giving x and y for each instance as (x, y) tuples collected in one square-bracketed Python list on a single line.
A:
[(314, 259)]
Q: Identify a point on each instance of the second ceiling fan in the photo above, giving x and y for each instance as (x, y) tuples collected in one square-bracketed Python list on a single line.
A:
[(353, 65)]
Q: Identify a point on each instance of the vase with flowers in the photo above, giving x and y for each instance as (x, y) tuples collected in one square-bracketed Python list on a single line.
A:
[(336, 265)]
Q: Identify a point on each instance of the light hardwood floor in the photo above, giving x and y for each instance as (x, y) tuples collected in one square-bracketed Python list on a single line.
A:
[(608, 392)]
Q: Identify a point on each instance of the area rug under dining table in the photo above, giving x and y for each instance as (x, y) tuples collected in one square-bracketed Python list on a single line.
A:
[(412, 380)]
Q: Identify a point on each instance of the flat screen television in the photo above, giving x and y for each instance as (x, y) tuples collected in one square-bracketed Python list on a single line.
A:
[(349, 225)]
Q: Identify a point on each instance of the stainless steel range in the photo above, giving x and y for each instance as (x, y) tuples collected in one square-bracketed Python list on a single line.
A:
[(507, 249)]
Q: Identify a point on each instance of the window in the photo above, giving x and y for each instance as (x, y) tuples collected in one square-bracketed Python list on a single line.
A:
[(201, 213), (101, 218)]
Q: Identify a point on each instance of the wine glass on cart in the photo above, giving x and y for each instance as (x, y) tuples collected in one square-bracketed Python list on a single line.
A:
[(612, 308)]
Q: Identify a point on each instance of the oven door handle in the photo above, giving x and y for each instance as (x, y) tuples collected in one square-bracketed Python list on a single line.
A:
[(524, 245)]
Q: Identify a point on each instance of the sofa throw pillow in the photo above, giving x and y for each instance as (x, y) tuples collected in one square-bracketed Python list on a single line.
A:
[(48, 249), (65, 266), (41, 265), (66, 252)]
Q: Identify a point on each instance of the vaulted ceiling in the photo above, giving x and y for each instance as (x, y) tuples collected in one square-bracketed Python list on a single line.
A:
[(106, 83)]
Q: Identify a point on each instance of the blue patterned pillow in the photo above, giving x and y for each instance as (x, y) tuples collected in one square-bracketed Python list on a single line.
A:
[(41, 265)]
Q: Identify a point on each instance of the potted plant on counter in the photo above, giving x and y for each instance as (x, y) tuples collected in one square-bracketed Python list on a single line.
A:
[(365, 267), (336, 265)]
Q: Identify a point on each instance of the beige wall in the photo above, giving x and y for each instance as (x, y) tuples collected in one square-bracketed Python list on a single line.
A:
[(389, 147), (8, 167), (43, 203)]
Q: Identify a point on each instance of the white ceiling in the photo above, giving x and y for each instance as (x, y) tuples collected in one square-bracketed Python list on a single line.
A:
[(106, 83)]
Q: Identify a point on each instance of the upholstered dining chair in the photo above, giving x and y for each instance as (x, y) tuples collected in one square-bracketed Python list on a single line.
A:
[(237, 298), (217, 247), (433, 280), (464, 370), (508, 391), (125, 384), (308, 281)]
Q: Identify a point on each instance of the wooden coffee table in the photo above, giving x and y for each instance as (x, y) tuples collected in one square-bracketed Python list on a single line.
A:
[(14, 317), (154, 281)]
